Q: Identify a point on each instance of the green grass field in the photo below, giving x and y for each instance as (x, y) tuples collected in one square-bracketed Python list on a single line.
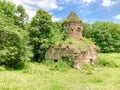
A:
[(40, 77)]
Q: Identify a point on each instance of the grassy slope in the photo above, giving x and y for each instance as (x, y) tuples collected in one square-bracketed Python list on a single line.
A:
[(80, 44), (40, 77)]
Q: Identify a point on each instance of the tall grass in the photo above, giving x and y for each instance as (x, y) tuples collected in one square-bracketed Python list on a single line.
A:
[(63, 65), (37, 76), (109, 60)]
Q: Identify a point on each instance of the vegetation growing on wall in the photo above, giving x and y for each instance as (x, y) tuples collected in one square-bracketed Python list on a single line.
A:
[(72, 18)]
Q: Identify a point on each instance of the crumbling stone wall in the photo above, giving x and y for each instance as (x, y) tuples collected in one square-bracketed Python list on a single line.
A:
[(89, 55), (55, 53), (79, 57), (74, 30)]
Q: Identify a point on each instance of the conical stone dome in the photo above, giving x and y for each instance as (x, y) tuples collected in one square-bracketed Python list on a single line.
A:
[(72, 18)]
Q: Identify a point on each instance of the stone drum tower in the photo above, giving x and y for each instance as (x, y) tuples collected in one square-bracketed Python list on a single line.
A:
[(74, 26)]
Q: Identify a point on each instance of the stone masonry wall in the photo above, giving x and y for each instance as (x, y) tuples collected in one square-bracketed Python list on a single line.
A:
[(79, 57)]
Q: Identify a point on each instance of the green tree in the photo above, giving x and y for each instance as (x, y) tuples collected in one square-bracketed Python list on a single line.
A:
[(21, 16), (16, 15), (57, 34), (14, 49), (40, 33), (105, 34), (88, 30), (7, 8)]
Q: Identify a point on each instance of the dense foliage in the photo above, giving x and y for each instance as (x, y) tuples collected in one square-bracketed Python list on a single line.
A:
[(14, 49), (40, 27), (105, 34), (16, 15), (57, 34)]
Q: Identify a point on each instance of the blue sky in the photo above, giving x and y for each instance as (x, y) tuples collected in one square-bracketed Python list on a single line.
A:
[(88, 10)]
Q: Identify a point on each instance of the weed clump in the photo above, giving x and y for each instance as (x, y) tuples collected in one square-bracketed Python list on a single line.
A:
[(62, 65), (88, 68), (106, 62)]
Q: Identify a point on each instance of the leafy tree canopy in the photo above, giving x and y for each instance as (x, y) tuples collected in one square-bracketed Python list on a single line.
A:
[(39, 33), (105, 34)]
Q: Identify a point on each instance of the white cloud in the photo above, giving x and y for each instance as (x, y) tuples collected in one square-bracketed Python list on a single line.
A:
[(107, 3), (46, 4), (79, 2), (32, 5), (31, 13), (67, 0), (117, 17), (55, 19), (60, 8), (89, 1)]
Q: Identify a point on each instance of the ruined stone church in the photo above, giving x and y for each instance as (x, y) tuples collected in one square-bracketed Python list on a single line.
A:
[(75, 47)]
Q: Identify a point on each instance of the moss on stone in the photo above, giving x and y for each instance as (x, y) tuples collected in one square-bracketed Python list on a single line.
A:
[(78, 44), (72, 18)]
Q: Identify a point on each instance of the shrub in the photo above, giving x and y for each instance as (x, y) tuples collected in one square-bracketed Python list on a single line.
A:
[(88, 68), (13, 48), (61, 65), (104, 61)]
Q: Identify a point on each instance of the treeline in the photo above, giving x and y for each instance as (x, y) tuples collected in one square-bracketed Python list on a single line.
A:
[(106, 35), (22, 41)]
